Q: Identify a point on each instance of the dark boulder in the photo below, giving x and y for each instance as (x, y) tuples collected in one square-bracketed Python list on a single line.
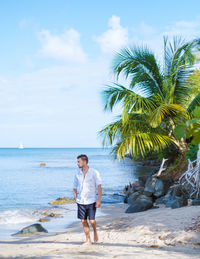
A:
[(176, 197), (161, 187), (177, 202), (161, 200), (133, 197), (130, 191), (142, 203), (142, 180), (148, 193), (156, 187), (150, 186), (32, 229), (178, 190), (196, 202)]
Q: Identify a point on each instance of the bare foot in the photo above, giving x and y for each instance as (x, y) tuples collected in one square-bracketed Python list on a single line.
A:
[(95, 237), (87, 243)]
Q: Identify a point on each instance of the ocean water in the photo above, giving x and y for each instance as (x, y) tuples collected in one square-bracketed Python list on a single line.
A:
[(26, 188)]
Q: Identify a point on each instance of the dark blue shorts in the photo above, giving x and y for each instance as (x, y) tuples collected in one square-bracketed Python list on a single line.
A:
[(86, 211)]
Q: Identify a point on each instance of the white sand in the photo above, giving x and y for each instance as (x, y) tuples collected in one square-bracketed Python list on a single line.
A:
[(120, 236)]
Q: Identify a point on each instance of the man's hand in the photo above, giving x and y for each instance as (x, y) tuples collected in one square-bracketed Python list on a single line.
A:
[(98, 204)]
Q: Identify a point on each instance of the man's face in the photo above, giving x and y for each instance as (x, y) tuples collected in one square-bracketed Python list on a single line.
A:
[(81, 163)]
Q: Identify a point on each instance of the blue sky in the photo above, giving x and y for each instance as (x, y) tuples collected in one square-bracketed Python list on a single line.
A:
[(56, 56)]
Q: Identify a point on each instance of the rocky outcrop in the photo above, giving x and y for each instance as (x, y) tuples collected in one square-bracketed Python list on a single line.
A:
[(64, 200), (142, 194)]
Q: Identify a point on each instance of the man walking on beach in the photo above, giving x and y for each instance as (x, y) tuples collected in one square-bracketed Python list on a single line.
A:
[(86, 183)]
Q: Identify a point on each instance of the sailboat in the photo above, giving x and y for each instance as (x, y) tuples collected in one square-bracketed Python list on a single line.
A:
[(21, 146)]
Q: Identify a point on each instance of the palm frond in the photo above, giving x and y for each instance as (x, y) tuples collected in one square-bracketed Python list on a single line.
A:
[(141, 65), (165, 111), (195, 102), (179, 60), (130, 100), (111, 132), (142, 143)]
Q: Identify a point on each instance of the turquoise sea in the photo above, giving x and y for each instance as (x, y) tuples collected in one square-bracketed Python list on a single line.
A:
[(26, 188)]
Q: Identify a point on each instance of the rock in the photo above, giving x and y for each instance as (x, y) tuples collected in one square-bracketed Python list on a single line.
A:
[(161, 187), (45, 213), (54, 215), (148, 193), (161, 200), (136, 183), (178, 190), (150, 186), (42, 164), (139, 189), (133, 190), (62, 201), (44, 219), (133, 197), (176, 197), (142, 203), (177, 202), (156, 187), (196, 202), (130, 191), (142, 180), (138, 206), (32, 229), (144, 197)]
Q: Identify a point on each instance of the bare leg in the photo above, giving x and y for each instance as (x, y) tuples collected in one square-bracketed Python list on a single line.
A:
[(86, 229), (94, 226)]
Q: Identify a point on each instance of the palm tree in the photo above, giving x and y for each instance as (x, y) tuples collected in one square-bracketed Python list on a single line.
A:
[(154, 102)]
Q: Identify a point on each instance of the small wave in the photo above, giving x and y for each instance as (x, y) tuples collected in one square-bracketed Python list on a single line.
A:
[(17, 216)]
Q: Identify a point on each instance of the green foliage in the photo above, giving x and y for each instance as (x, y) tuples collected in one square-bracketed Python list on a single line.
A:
[(192, 152), (157, 99), (190, 132)]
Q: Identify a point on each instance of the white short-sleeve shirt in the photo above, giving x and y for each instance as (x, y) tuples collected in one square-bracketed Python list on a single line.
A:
[(87, 187)]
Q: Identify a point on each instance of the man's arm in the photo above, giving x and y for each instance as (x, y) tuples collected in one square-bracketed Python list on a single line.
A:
[(98, 202), (98, 183), (75, 193), (75, 184)]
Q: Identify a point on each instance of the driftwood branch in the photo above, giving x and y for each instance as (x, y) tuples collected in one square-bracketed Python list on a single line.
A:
[(162, 168), (191, 178)]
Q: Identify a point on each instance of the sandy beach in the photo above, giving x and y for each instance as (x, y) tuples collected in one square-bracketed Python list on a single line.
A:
[(156, 233)]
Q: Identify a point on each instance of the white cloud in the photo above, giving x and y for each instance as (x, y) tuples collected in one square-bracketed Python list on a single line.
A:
[(115, 37), (187, 29), (66, 47)]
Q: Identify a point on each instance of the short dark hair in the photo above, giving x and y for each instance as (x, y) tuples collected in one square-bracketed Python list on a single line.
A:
[(83, 157)]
